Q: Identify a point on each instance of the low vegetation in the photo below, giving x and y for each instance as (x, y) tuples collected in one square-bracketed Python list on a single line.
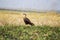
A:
[(41, 18), (12, 26), (29, 32)]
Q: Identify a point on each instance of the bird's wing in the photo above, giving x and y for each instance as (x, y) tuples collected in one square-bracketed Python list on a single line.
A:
[(28, 20)]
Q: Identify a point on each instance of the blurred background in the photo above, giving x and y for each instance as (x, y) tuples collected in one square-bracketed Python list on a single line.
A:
[(36, 5), (40, 12)]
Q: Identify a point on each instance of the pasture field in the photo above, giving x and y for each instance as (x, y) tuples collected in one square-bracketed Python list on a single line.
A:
[(12, 26), (16, 18), (24, 32)]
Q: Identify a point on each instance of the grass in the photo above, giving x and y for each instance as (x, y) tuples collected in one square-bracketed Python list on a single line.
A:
[(14, 28), (23, 32), (16, 18)]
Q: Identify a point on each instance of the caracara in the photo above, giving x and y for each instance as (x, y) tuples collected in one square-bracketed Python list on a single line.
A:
[(27, 21)]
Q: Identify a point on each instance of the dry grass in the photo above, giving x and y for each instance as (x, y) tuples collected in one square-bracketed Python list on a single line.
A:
[(16, 18)]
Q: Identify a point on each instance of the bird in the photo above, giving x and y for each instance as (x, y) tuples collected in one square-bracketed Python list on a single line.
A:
[(26, 20)]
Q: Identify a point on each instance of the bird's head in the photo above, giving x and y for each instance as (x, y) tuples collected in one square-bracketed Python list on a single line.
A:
[(24, 14)]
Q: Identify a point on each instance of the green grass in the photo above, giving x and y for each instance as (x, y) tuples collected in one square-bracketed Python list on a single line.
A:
[(29, 33)]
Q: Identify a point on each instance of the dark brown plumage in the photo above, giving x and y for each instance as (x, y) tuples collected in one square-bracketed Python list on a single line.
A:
[(27, 21)]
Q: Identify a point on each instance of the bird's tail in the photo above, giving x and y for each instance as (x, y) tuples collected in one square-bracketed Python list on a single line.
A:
[(32, 24)]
